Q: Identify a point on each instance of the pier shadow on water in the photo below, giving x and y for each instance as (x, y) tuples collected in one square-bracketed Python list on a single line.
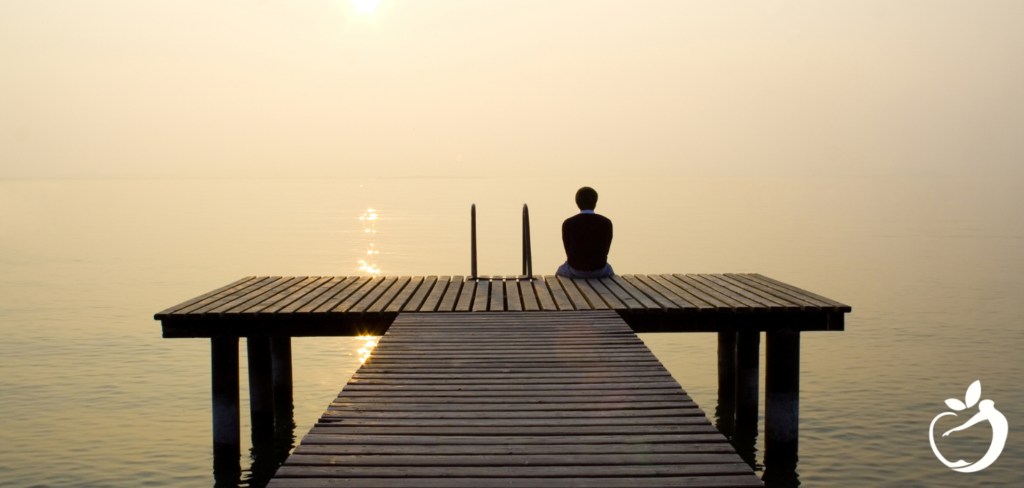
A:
[(741, 429), (269, 450)]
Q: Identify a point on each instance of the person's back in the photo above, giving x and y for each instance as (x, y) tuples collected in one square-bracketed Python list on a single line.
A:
[(587, 238)]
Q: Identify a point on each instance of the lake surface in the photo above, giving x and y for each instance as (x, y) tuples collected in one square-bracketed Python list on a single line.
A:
[(91, 396)]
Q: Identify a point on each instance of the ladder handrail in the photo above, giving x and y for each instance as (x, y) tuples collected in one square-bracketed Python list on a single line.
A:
[(527, 248)]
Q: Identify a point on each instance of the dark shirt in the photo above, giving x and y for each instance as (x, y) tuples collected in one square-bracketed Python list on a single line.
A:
[(587, 238)]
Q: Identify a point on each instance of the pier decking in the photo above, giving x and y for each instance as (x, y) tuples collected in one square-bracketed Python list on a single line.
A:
[(513, 399), (338, 305), (511, 381)]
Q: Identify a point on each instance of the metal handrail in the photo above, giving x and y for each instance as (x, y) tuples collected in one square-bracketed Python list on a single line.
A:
[(527, 249), (472, 218)]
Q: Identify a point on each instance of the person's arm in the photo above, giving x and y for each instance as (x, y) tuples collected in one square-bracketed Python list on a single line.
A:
[(565, 237)]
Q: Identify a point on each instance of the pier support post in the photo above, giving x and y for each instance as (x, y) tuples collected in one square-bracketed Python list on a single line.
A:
[(281, 353), (748, 356), (261, 391), (226, 436), (726, 410), (782, 396)]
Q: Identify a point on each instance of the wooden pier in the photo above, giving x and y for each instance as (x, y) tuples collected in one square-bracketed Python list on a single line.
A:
[(513, 400), (511, 381)]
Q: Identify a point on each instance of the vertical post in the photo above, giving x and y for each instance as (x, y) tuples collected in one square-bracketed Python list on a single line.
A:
[(472, 231), (726, 410), (261, 390), (224, 371), (748, 352), (782, 394), (524, 239), (226, 436), (281, 354), (527, 248)]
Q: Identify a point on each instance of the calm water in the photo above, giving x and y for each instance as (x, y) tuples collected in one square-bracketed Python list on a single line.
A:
[(90, 395)]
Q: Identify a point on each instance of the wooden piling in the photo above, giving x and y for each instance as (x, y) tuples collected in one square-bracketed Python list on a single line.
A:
[(726, 409), (748, 345), (782, 392), (261, 390), (224, 373), (281, 357)]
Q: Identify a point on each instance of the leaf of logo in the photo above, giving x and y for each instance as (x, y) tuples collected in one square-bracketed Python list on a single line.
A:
[(956, 404), (973, 394)]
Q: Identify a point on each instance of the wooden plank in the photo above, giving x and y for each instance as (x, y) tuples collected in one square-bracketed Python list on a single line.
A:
[(349, 296), (451, 295), (514, 302), (511, 459), (745, 304), (332, 428), (280, 294), (649, 286), (757, 287), (629, 290), (419, 298), (558, 294), (738, 481), (838, 306), (511, 395), (207, 297), (244, 298), (544, 299), (681, 282), (248, 289), (721, 468), (645, 448), (579, 302), (581, 440), (387, 296), (592, 297), (335, 295), (503, 380), (466, 295), (358, 386), (406, 295), (678, 291), (606, 295), (663, 303), (481, 299), (773, 304), (336, 416), (542, 352), (526, 290), (261, 298), (433, 300), (497, 295), (570, 376), (324, 289), (311, 286), (365, 300)]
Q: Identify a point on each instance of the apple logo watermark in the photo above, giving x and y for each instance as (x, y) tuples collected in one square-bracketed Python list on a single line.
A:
[(986, 411)]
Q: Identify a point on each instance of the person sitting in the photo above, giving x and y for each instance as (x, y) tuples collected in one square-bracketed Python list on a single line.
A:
[(587, 237)]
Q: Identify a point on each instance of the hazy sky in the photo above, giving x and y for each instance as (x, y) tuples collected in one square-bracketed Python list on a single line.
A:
[(316, 88)]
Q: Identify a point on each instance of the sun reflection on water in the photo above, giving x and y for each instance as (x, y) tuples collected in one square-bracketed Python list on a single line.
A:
[(369, 344), (367, 264)]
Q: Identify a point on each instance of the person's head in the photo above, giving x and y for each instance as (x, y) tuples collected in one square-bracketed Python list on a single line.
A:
[(586, 198)]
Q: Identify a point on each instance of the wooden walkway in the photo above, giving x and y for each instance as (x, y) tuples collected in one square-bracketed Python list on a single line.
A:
[(512, 399), (338, 305)]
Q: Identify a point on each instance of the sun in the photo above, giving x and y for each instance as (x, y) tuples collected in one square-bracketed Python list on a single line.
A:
[(365, 7)]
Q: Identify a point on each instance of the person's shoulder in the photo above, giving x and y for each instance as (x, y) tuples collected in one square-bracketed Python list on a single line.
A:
[(603, 218)]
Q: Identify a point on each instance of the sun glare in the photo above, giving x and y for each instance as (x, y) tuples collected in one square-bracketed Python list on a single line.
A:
[(365, 7)]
